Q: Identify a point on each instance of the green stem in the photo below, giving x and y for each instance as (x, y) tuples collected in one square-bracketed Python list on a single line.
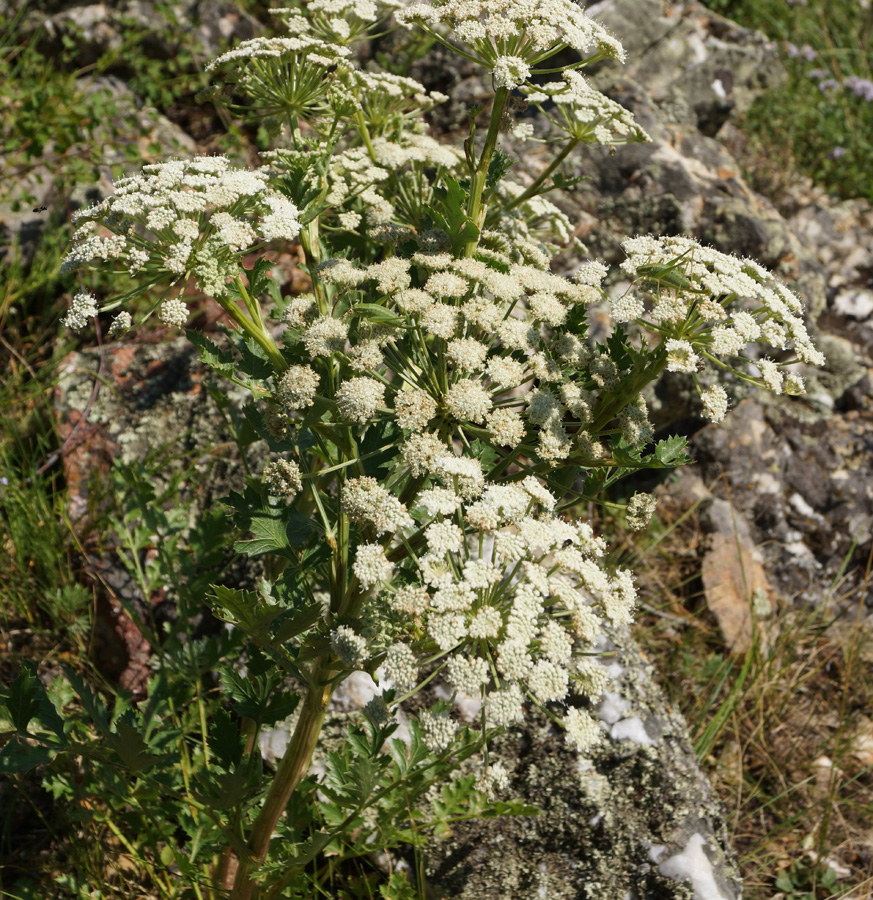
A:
[(534, 189), (254, 327), (291, 770), (476, 208), (310, 241), (361, 122)]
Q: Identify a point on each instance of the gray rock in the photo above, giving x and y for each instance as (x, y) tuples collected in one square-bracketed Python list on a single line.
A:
[(697, 66), (101, 27), (634, 819)]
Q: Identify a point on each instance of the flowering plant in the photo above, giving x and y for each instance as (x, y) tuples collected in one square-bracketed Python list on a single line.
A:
[(435, 413)]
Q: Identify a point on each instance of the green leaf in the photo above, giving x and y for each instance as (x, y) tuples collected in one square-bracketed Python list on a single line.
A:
[(225, 740), (485, 453), (373, 312), (28, 700), (500, 164), (567, 182), (24, 695), (671, 451), (253, 360), (259, 698), (245, 609), (225, 790), (92, 704), (276, 528), (131, 747), (20, 757), (259, 276), (450, 213), (301, 621), (220, 361), (784, 883), (398, 888), (620, 352)]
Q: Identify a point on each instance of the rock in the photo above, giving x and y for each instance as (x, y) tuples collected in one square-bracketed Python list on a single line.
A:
[(857, 304), (805, 490), (698, 67), (636, 818), (99, 28)]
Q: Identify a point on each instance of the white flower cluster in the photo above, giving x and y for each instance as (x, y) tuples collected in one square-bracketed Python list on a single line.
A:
[(685, 278), (339, 21), (584, 113), (386, 100), (182, 216), (534, 31), (84, 308), (283, 478), (506, 591), (303, 46), (501, 331)]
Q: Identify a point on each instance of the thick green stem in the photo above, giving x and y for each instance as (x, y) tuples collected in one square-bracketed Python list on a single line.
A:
[(291, 770), (361, 122), (476, 208), (310, 241), (255, 329)]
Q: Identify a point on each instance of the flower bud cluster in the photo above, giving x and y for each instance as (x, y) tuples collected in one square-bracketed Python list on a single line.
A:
[(584, 113), (199, 215), (535, 31)]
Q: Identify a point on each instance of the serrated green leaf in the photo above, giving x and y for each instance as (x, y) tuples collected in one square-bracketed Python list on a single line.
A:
[(28, 700), (246, 610), (226, 790), (499, 165), (220, 361), (131, 748), (259, 276), (671, 451), (253, 361), (260, 699), (92, 704), (275, 529), (301, 621)]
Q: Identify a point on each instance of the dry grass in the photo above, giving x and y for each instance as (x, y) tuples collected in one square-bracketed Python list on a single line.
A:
[(782, 729)]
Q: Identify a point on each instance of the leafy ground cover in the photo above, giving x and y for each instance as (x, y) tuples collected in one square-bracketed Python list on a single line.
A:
[(791, 813)]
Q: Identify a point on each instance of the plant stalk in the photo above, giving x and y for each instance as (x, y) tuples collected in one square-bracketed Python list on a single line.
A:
[(291, 770), (534, 189), (256, 331), (476, 208)]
